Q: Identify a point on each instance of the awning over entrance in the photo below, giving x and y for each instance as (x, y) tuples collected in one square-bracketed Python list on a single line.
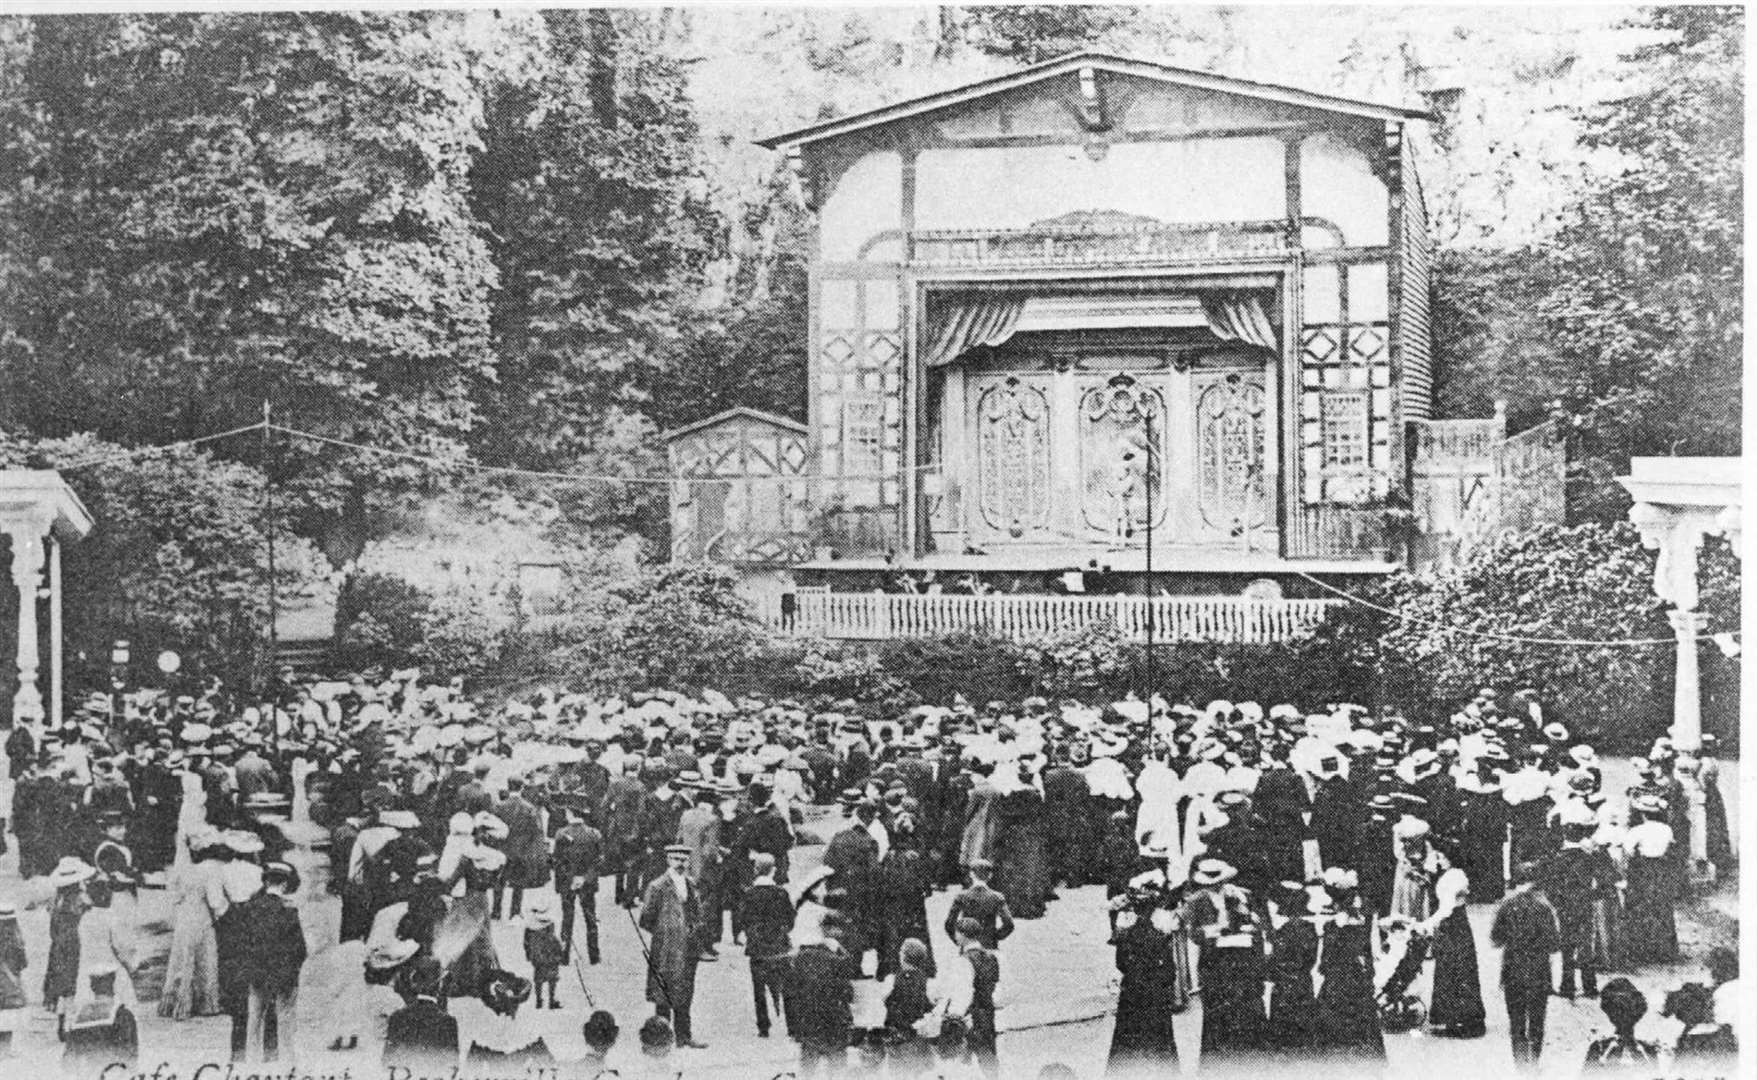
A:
[(964, 320)]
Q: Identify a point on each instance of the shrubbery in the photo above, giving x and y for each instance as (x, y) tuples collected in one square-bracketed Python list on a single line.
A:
[(686, 628)]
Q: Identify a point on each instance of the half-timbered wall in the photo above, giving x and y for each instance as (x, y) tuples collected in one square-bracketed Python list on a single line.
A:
[(740, 493), (1345, 412)]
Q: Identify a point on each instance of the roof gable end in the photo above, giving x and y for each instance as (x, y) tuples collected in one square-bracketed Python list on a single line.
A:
[(1076, 62)]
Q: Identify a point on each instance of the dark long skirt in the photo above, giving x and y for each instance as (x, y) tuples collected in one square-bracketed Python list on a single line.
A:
[(1023, 876), (1720, 843), (1650, 922), (1351, 1031), (1483, 848), (1143, 1041), (1234, 1028), (1457, 999), (61, 971), (1294, 1018)]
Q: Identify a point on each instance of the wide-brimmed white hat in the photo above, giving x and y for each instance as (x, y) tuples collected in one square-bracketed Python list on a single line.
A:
[(71, 870), (1212, 871), (490, 824)]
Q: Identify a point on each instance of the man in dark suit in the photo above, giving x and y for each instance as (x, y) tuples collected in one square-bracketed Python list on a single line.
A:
[(527, 849), (981, 904), (853, 854), (767, 831), (767, 914), (671, 913), (422, 1037), (579, 855), (473, 795), (267, 949), (624, 802), (1526, 931)]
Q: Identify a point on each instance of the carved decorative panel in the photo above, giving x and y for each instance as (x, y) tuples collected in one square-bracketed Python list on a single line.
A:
[(1012, 419), (1230, 417), (1122, 446)]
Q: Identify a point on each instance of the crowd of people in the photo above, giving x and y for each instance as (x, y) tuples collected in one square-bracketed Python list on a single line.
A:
[(1296, 872)]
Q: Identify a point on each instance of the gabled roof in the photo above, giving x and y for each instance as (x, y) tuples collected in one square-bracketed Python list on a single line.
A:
[(1073, 62), (740, 412)]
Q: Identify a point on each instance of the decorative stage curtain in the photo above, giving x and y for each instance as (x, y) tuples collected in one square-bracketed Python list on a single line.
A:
[(964, 322), (1239, 316)]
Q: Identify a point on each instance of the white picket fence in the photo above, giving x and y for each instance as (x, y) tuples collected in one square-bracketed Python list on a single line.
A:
[(873, 616)]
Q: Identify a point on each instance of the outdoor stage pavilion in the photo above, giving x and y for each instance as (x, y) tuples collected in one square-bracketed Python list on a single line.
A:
[(1094, 313)]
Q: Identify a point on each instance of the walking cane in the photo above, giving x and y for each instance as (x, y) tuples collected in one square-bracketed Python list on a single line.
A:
[(664, 987), (573, 952)]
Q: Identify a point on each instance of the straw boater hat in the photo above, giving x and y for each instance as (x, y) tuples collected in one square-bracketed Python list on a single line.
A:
[(399, 819), (1212, 871), (71, 870), (242, 842)]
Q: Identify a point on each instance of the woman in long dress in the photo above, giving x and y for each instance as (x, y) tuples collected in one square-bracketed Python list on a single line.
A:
[(1293, 1003), (1022, 871), (1483, 846), (464, 942), (66, 912), (1720, 844), (1610, 950), (1223, 921), (1143, 1043), (192, 971), (1351, 1036), (1456, 1008), (1652, 929), (191, 814), (106, 943)]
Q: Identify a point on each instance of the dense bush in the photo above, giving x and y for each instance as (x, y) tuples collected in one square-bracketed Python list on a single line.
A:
[(686, 628), (1585, 583)]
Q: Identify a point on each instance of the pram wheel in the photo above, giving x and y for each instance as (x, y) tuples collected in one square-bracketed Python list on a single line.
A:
[(1403, 1014)]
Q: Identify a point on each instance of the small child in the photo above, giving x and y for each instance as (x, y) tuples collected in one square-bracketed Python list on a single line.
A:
[(543, 949)]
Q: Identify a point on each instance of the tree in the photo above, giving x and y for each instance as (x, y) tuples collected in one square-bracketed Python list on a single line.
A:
[(1646, 315), (594, 197), (751, 350), (203, 211)]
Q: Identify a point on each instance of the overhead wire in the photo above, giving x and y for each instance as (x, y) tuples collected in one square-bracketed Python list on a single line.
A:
[(1521, 639), (142, 451)]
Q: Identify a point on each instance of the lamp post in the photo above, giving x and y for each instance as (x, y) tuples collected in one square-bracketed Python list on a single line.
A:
[(1122, 381), (118, 680)]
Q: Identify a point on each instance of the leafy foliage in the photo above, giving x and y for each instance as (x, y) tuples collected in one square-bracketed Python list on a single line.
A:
[(177, 559), (591, 188), (1586, 583), (1629, 323), (204, 211)]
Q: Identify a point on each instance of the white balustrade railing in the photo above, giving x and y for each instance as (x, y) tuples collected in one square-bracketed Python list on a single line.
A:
[(872, 616)]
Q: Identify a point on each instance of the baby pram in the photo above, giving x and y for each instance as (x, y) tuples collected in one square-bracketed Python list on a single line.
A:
[(1406, 949)]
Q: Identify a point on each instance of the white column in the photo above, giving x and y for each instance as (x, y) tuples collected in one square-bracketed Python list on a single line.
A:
[(1686, 728), (57, 649), (27, 576)]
